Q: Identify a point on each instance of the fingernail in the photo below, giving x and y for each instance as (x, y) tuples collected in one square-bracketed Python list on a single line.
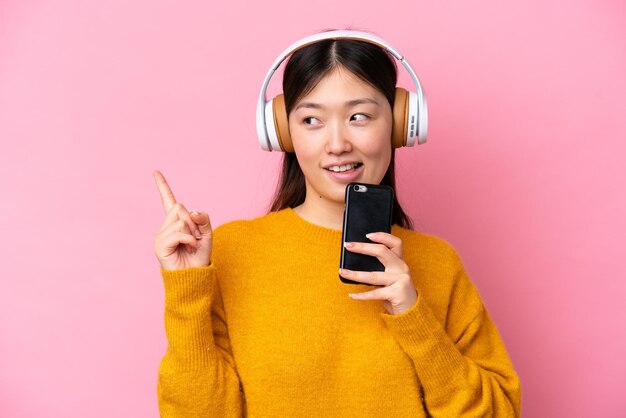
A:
[(342, 272), (197, 234), (349, 244), (194, 212), (370, 235)]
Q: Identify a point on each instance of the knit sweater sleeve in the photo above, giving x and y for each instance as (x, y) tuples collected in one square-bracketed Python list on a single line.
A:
[(459, 357), (197, 376)]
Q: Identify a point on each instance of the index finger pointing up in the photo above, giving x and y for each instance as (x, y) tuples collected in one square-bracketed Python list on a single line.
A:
[(167, 197)]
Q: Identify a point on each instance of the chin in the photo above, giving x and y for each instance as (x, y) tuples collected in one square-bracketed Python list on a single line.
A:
[(340, 197), (337, 195)]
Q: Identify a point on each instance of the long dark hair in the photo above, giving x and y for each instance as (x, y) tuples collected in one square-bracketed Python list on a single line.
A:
[(305, 68)]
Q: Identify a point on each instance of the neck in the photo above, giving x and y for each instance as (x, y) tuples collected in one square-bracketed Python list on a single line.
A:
[(321, 211)]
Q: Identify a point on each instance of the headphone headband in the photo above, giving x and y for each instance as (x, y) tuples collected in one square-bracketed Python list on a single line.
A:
[(421, 127)]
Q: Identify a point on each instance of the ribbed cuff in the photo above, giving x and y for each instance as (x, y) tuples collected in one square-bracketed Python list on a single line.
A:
[(438, 363), (188, 295), (185, 285)]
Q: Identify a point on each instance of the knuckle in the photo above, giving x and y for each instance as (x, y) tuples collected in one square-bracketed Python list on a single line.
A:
[(380, 249), (406, 280), (179, 207)]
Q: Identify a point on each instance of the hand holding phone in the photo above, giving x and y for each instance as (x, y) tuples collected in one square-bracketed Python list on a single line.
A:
[(368, 208)]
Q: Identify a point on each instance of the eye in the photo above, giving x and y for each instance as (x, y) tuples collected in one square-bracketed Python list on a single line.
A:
[(310, 120), (359, 117)]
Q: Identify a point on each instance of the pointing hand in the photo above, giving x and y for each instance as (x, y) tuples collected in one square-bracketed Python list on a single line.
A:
[(185, 238)]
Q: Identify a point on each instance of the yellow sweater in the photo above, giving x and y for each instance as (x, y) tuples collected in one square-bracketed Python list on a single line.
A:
[(268, 330)]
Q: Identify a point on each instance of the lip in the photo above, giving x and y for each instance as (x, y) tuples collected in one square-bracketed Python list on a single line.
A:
[(340, 163), (346, 176)]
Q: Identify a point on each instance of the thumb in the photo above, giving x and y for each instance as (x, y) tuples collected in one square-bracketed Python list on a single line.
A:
[(202, 220)]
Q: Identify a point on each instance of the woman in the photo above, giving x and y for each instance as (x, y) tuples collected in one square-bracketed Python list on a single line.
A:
[(258, 322)]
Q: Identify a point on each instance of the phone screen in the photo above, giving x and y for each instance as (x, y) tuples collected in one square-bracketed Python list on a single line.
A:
[(368, 208)]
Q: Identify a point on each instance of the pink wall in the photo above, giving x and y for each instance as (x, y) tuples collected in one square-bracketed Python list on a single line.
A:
[(523, 173)]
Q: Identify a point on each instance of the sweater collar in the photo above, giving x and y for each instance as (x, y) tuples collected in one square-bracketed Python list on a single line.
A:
[(295, 223)]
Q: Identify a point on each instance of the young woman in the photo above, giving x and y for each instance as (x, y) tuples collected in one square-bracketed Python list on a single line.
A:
[(259, 324)]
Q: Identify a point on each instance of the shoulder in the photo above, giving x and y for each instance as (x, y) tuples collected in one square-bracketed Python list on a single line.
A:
[(241, 229), (428, 249), (438, 272)]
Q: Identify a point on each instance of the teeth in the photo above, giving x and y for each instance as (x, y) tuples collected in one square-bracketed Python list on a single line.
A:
[(340, 168)]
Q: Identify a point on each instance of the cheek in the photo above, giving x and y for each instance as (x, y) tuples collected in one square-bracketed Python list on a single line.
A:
[(383, 158), (301, 146), (379, 155), (299, 138), (378, 148), (379, 138), (306, 155)]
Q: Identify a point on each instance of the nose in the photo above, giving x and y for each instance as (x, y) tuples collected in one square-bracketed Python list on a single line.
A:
[(337, 139)]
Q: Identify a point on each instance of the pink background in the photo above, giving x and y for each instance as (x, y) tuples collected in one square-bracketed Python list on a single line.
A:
[(523, 173)]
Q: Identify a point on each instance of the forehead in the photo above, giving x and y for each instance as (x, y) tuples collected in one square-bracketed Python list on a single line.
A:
[(341, 85)]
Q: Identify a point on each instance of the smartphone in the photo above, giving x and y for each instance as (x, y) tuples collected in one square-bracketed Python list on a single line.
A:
[(369, 208)]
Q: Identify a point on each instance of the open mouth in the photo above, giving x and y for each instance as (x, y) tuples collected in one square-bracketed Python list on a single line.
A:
[(343, 168)]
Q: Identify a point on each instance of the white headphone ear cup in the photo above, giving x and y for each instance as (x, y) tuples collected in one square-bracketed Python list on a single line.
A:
[(422, 119), (272, 136), (412, 119), (260, 128)]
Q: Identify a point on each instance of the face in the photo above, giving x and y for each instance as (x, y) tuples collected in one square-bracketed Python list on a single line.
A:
[(341, 133)]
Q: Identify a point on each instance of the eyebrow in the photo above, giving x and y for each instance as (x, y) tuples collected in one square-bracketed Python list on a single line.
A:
[(350, 103)]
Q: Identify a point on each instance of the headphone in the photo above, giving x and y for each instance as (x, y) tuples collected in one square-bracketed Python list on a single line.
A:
[(410, 113)]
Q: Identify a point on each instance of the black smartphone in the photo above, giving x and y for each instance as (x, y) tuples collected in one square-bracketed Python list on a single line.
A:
[(369, 208)]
